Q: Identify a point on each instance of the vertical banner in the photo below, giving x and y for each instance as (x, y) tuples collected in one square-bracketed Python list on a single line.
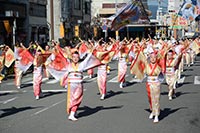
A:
[(7, 26), (62, 30), (95, 31), (76, 29)]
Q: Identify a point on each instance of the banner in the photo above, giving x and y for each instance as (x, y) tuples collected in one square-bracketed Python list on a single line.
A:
[(9, 57), (25, 59), (105, 57), (130, 13), (138, 66), (190, 10), (7, 26)]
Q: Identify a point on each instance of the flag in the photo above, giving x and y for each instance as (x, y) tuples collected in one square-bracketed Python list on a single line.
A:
[(82, 50), (41, 49), (130, 13), (41, 59), (9, 57), (91, 61), (178, 61), (105, 57), (138, 66), (57, 65), (196, 47), (189, 11), (25, 58), (1, 62), (7, 26)]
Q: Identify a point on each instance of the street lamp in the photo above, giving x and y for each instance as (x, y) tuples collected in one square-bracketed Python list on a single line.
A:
[(14, 14)]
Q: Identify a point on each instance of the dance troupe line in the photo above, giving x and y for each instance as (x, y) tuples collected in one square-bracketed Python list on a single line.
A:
[(155, 59)]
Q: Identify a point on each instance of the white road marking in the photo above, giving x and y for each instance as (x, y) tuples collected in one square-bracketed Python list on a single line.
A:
[(181, 81), (115, 79), (52, 81), (24, 79), (197, 80), (84, 77), (9, 100), (136, 80), (38, 112), (8, 91), (61, 90)]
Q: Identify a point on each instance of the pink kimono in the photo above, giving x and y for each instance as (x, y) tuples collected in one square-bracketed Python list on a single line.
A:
[(37, 80), (122, 68), (72, 80), (101, 78)]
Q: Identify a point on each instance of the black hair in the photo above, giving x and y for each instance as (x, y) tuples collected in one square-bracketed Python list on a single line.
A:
[(75, 52), (170, 51)]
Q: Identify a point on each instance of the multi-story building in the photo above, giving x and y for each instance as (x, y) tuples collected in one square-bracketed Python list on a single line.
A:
[(23, 20), (103, 10), (64, 15)]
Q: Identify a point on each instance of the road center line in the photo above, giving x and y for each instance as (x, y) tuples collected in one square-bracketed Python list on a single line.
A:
[(38, 112)]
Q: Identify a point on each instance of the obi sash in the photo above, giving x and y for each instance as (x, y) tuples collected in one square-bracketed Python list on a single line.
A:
[(170, 70), (102, 67), (152, 79), (75, 77)]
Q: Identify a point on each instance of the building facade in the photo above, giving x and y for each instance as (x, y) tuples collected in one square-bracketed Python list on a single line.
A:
[(104, 10), (69, 18), (23, 21)]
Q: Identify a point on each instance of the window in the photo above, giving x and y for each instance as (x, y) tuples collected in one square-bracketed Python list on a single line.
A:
[(37, 10), (77, 4), (87, 7)]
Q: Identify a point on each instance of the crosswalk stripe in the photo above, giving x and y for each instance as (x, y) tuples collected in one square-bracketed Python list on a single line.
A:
[(197, 80)]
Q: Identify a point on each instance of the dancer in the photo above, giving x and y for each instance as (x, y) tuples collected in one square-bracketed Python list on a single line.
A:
[(170, 74), (153, 70), (37, 74), (72, 80)]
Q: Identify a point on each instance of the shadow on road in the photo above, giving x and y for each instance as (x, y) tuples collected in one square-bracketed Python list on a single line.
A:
[(185, 83), (14, 110), (112, 93), (47, 94), (130, 83), (89, 111), (26, 85), (166, 112), (179, 93)]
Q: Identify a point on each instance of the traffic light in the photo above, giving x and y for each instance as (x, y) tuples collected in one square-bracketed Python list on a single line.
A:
[(76, 30)]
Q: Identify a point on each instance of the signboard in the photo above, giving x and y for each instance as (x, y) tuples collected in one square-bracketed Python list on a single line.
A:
[(104, 28), (182, 21)]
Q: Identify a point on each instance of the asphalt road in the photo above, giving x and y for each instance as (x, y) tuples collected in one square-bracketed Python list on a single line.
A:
[(123, 111)]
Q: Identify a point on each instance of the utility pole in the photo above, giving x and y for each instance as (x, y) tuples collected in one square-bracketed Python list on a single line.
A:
[(116, 32), (14, 30), (52, 19)]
